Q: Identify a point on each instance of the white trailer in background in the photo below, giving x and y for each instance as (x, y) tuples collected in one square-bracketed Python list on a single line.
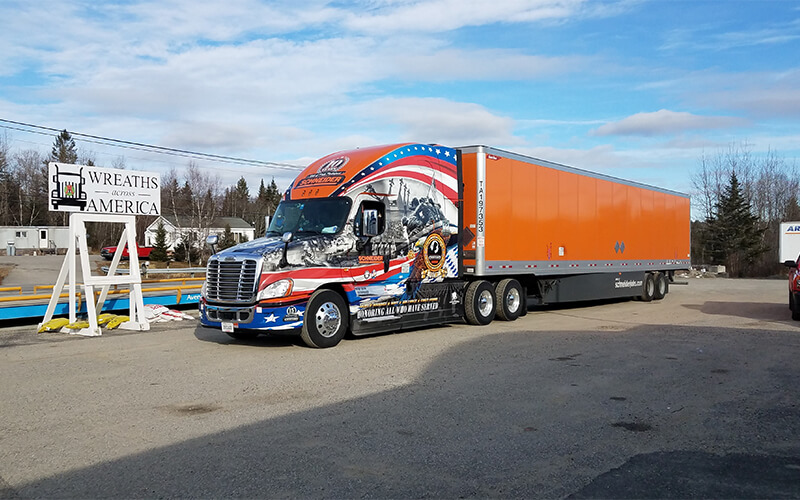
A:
[(789, 244)]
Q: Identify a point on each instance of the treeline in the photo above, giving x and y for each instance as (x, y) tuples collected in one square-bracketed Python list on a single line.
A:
[(191, 195), (742, 199)]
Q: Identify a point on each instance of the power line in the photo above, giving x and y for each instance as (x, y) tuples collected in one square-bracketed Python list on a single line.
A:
[(138, 146)]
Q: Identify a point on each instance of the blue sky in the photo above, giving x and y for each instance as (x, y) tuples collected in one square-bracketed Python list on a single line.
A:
[(639, 89)]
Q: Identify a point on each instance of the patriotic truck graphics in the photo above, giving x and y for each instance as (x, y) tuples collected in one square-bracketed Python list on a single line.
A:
[(405, 235)]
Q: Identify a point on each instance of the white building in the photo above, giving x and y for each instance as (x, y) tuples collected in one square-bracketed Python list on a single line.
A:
[(177, 227), (25, 240)]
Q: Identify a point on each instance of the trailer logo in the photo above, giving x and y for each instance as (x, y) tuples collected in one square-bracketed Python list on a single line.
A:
[(793, 229), (328, 174), (433, 254), (618, 283)]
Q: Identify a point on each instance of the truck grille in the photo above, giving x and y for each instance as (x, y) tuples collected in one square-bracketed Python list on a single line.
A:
[(232, 280)]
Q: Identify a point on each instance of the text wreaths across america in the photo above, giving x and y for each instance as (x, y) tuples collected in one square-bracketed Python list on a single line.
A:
[(90, 189)]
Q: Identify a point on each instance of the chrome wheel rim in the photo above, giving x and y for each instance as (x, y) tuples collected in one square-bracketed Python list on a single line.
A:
[(512, 300), (328, 319), (485, 303)]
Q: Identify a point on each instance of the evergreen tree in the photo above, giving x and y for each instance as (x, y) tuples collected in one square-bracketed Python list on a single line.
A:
[(64, 150), (159, 252), (226, 240), (733, 234)]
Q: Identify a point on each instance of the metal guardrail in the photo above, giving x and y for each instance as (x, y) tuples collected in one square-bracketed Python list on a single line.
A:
[(145, 270)]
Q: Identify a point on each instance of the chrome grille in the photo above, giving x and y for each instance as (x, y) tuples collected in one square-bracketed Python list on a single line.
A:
[(232, 280)]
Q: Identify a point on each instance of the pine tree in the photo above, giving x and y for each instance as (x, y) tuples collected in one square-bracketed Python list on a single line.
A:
[(64, 150), (226, 240), (733, 233), (159, 252)]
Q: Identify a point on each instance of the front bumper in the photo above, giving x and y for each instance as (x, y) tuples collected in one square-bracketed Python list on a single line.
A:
[(256, 317)]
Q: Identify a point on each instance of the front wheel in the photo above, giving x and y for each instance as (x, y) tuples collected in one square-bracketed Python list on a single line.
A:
[(479, 303), (326, 319)]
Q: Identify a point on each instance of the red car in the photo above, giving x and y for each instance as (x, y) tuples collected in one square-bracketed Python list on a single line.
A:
[(794, 288), (108, 252)]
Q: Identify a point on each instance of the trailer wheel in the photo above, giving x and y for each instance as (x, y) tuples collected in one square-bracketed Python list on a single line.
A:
[(479, 303), (661, 286), (648, 288), (509, 298), (326, 319)]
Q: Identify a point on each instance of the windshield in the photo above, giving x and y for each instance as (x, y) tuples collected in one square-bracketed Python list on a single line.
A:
[(314, 216)]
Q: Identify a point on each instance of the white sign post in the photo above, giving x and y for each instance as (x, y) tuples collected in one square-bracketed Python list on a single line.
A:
[(96, 194)]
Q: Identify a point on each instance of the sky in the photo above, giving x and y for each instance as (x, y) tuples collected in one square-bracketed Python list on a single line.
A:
[(637, 89)]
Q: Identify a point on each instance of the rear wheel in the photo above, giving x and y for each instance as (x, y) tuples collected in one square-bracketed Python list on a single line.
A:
[(326, 319), (648, 288), (509, 298), (479, 303), (661, 286)]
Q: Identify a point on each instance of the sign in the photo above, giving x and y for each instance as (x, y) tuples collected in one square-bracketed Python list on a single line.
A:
[(83, 188)]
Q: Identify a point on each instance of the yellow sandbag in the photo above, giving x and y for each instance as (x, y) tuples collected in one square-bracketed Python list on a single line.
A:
[(78, 325), (54, 324), (115, 322), (105, 318)]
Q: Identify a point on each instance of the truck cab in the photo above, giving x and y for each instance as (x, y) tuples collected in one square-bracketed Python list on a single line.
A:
[(361, 241)]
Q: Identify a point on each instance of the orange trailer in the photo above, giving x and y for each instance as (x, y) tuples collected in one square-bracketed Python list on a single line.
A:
[(532, 217)]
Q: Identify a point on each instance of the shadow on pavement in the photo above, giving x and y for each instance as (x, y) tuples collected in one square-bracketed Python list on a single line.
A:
[(766, 311), (528, 414)]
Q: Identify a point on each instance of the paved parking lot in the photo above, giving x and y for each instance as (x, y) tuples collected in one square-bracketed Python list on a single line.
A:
[(692, 396)]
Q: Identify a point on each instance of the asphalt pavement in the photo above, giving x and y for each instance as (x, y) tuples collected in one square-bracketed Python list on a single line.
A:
[(30, 270), (693, 396)]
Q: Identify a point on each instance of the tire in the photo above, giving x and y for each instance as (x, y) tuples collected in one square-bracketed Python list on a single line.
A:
[(479, 303), (509, 298), (794, 306), (648, 288), (326, 319), (242, 335), (661, 286)]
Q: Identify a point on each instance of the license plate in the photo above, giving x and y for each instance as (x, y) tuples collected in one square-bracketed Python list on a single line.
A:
[(227, 327)]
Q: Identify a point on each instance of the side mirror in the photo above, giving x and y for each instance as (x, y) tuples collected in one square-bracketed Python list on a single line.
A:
[(212, 240), (369, 223), (790, 263), (286, 238)]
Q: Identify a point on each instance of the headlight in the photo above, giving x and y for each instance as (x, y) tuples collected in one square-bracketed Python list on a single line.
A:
[(203, 289), (280, 288)]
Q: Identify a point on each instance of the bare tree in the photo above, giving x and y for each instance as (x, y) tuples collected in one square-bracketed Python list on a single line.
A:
[(31, 208)]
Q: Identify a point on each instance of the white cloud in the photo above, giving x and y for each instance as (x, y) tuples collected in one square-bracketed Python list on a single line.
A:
[(665, 122), (767, 101), (445, 15), (441, 121)]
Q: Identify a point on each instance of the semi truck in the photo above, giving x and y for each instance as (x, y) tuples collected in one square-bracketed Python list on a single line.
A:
[(399, 236)]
